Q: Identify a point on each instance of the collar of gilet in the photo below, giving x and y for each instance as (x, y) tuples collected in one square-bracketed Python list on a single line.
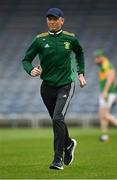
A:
[(55, 33)]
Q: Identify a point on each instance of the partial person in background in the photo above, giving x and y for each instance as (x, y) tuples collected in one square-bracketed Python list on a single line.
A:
[(108, 92)]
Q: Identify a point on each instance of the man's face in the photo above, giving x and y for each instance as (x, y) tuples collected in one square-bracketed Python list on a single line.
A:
[(54, 23), (98, 60)]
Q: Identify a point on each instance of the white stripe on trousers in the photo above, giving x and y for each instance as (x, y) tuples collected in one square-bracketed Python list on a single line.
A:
[(69, 98)]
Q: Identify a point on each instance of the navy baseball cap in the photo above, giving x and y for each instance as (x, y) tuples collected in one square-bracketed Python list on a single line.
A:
[(55, 12)]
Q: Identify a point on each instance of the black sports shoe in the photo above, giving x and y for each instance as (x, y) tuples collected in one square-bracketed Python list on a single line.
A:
[(57, 165), (69, 152)]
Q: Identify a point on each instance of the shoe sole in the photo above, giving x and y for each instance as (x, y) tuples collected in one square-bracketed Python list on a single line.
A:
[(75, 144), (56, 167)]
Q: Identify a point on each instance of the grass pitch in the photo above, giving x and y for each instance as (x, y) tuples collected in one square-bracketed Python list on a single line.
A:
[(27, 153)]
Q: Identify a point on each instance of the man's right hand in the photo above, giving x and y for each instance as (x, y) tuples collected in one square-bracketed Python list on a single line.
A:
[(36, 71)]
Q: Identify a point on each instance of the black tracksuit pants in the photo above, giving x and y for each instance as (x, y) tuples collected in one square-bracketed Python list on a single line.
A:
[(56, 100)]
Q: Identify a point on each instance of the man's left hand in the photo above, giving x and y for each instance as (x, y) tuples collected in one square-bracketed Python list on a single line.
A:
[(82, 80)]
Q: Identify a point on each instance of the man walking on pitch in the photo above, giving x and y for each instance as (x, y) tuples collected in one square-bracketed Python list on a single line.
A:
[(54, 49), (108, 90)]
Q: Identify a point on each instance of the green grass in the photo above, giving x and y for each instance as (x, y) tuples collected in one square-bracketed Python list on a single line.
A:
[(27, 153)]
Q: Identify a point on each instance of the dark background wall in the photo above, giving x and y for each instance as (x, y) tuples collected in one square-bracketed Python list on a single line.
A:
[(94, 22)]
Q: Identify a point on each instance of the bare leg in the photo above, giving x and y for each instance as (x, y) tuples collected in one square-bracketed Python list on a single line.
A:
[(104, 123), (105, 118), (112, 119)]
